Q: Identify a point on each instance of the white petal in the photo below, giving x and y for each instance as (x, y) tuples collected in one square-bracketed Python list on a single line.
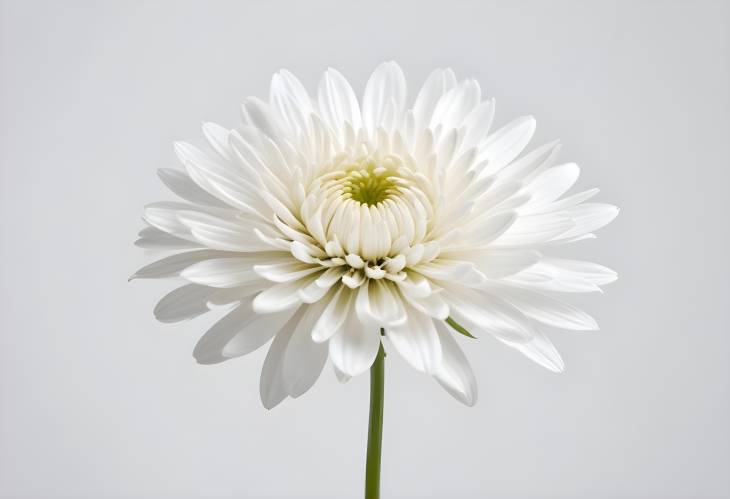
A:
[(437, 84), (281, 296), (551, 184), (479, 311), (238, 333), (171, 266), (491, 229), (589, 217), (530, 230), (478, 123), (304, 358), (553, 274), (337, 101), (257, 113), (222, 272), (593, 272), (286, 271), (387, 84), (416, 341), (181, 184), (272, 387), (495, 263), (217, 137), (432, 305), (378, 304), (532, 163), (227, 233), (155, 239), (456, 104), (454, 373), (334, 314), (540, 350), (354, 347), (548, 310), (184, 303), (507, 143), (163, 216), (452, 271)]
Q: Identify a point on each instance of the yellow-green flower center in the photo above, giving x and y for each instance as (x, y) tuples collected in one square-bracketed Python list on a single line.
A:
[(369, 184)]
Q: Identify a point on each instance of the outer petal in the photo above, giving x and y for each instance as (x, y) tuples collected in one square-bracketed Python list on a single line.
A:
[(548, 310), (222, 272), (337, 101), (239, 332), (541, 350), (479, 311), (354, 347), (171, 266), (437, 84), (417, 341), (281, 296), (304, 358), (155, 239), (272, 387), (455, 373), (181, 184), (504, 145), (184, 303), (387, 84)]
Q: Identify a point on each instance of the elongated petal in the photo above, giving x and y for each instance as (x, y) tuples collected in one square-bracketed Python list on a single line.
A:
[(334, 314), (239, 332), (304, 358), (548, 310), (272, 386), (353, 348), (479, 312), (154, 239), (184, 303), (540, 350), (171, 266), (181, 184), (281, 296), (507, 143), (387, 84), (454, 373), (222, 272), (337, 101), (227, 233), (417, 341)]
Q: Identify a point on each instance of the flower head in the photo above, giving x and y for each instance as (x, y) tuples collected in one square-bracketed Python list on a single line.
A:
[(330, 224)]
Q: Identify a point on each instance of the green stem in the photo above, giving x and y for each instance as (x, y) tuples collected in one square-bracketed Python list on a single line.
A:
[(375, 427)]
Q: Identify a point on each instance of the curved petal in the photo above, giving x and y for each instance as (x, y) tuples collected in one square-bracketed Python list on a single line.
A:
[(417, 341), (181, 184), (173, 265), (504, 145), (548, 310), (281, 296), (337, 101), (454, 373), (304, 358), (184, 303), (353, 348), (272, 387), (239, 332), (387, 84), (540, 350), (479, 311)]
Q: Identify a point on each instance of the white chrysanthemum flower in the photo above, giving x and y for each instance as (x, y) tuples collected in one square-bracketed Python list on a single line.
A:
[(322, 221)]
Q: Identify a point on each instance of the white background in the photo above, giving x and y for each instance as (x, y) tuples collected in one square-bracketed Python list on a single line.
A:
[(97, 400)]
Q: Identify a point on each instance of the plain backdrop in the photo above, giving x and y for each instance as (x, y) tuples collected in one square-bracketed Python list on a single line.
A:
[(97, 400)]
